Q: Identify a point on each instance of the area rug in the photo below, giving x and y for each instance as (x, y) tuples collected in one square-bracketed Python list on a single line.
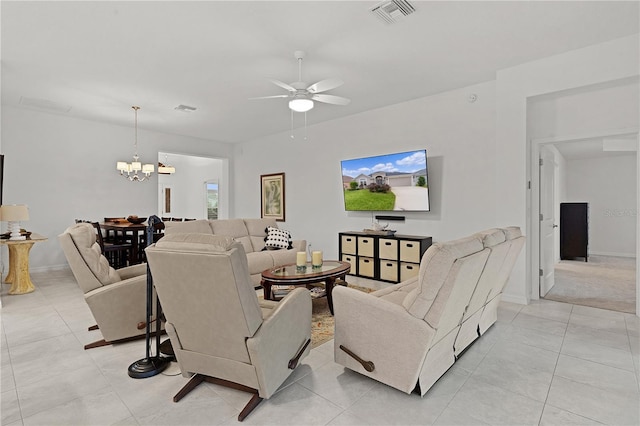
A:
[(605, 282), (321, 319)]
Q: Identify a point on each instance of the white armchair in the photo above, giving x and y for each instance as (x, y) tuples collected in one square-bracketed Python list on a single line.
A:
[(116, 298), (219, 331)]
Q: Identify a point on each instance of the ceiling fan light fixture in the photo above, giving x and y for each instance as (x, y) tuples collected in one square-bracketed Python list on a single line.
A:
[(301, 105)]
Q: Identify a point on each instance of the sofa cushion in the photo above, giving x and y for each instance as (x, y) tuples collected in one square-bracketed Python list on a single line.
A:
[(233, 228), (259, 261), (277, 239), (491, 237), (257, 231), (202, 243), (84, 237), (512, 232), (397, 293), (435, 267), (281, 257), (200, 226)]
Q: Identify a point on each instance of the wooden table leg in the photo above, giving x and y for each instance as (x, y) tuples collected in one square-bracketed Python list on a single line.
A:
[(19, 269), (266, 289), (328, 286)]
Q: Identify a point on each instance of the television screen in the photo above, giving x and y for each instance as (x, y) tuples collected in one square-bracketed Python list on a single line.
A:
[(393, 182)]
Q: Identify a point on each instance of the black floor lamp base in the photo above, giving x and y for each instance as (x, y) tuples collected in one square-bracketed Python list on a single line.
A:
[(147, 367)]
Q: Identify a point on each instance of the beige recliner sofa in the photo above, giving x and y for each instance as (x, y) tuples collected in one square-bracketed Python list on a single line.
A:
[(116, 298), (408, 335), (219, 330), (251, 234)]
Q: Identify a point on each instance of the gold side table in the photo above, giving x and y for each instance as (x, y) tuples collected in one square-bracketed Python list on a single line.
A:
[(18, 275)]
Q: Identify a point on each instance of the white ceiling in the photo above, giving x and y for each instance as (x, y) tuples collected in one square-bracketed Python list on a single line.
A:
[(99, 58)]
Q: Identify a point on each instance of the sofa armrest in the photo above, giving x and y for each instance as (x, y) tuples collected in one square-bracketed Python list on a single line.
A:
[(299, 245), (381, 332), (118, 308), (279, 339), (132, 271)]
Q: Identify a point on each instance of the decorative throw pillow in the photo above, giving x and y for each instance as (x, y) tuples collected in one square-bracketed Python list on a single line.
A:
[(277, 239)]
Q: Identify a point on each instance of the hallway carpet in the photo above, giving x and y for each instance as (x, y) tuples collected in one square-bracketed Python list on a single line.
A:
[(605, 282)]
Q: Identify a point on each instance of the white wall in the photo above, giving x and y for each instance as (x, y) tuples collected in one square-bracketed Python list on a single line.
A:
[(598, 64), (187, 184), (458, 137), (585, 110), (64, 168), (592, 110), (609, 186)]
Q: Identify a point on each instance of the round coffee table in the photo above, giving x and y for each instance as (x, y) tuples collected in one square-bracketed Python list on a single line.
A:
[(329, 272)]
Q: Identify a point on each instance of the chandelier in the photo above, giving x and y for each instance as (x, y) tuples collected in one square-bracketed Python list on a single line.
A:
[(132, 169), (166, 168)]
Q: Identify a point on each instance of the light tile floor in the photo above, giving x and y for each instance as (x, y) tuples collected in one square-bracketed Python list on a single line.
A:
[(547, 363)]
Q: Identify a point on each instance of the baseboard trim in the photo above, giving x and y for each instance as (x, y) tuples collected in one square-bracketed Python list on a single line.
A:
[(520, 300), (608, 253), (50, 268)]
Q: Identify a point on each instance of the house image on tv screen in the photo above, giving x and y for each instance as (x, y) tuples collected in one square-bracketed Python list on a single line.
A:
[(386, 182)]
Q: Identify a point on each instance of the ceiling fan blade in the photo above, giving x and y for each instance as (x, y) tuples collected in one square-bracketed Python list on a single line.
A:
[(324, 85), (331, 99), (270, 97), (283, 85)]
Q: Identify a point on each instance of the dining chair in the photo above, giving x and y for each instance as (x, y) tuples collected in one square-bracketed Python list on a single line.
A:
[(111, 235)]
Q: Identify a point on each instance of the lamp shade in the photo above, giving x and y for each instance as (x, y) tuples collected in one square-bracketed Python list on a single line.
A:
[(14, 212), (301, 105)]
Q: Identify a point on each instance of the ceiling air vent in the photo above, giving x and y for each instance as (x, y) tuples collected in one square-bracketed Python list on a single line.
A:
[(392, 11), (185, 108)]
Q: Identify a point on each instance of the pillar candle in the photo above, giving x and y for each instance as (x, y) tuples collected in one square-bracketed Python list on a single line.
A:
[(316, 258), (301, 258)]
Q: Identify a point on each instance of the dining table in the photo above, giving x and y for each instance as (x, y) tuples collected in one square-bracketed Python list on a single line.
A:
[(130, 232)]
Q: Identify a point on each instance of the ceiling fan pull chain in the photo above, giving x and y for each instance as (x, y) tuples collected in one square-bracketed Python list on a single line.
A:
[(292, 137), (305, 126)]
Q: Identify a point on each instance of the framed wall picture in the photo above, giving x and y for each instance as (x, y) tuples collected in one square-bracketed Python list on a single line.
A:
[(272, 196)]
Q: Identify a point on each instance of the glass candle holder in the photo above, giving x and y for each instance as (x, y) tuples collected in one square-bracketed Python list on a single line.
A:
[(301, 261), (316, 259)]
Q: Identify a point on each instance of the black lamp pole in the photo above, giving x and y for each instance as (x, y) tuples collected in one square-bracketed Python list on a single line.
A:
[(150, 365)]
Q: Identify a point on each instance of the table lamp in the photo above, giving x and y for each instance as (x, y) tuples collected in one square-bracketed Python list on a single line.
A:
[(14, 213)]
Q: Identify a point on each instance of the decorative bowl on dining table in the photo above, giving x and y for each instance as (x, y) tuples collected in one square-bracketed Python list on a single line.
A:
[(136, 220)]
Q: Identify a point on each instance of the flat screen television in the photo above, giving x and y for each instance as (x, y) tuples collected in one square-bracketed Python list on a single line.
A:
[(392, 182)]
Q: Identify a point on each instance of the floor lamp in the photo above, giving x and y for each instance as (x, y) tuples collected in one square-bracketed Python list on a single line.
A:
[(150, 365)]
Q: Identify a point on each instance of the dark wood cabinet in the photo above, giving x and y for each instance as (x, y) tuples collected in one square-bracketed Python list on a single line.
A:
[(392, 258), (574, 230)]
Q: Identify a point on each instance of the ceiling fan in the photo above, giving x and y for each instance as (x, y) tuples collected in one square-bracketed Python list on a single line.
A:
[(302, 95)]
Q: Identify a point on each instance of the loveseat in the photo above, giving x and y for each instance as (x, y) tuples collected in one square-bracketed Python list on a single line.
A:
[(251, 233), (408, 335)]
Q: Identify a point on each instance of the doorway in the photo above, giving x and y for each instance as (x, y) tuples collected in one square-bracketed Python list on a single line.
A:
[(602, 170), (180, 194)]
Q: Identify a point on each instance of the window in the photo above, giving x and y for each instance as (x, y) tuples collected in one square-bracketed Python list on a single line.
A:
[(211, 188)]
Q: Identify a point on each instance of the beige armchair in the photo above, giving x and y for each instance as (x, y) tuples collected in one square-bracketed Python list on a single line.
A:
[(116, 298), (410, 334), (219, 330)]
